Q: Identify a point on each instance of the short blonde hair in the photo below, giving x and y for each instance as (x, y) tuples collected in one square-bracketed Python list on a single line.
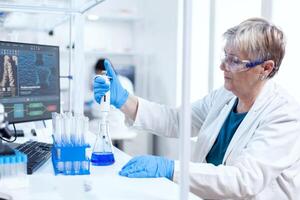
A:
[(258, 39)]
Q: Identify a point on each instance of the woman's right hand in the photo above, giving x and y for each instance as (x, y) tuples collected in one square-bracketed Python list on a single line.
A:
[(118, 95)]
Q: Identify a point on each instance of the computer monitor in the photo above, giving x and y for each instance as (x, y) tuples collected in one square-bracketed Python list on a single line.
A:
[(29, 81)]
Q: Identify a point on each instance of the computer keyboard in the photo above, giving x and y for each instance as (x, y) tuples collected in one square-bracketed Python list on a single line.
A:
[(37, 153)]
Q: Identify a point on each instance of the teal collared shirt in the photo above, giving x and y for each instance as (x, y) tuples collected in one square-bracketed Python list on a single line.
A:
[(217, 152)]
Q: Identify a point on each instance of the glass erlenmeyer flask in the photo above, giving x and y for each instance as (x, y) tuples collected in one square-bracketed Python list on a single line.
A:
[(103, 152)]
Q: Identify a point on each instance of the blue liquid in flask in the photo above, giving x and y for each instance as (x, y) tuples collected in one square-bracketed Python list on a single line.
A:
[(102, 158)]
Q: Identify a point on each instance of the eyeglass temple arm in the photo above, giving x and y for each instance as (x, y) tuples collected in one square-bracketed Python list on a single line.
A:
[(254, 63)]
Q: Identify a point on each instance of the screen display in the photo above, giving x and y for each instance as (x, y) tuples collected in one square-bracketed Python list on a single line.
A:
[(29, 81)]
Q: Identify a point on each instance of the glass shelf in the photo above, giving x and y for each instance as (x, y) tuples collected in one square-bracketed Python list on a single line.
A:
[(20, 21), (40, 15), (49, 6)]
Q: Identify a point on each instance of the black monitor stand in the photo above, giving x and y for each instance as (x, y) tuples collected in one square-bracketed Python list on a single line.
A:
[(4, 148)]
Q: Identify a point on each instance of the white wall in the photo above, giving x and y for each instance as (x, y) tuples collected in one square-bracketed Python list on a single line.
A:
[(157, 40), (288, 74)]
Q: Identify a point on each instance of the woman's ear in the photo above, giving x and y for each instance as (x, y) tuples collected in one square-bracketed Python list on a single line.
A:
[(268, 67)]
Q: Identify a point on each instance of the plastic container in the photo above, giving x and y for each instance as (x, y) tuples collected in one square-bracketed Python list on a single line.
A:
[(13, 171)]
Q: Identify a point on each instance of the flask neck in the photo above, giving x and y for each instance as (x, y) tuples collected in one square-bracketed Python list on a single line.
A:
[(104, 118)]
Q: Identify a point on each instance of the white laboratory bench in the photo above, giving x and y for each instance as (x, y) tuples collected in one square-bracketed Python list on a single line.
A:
[(103, 183)]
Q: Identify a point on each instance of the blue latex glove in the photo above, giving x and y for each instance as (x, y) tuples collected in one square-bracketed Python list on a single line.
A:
[(148, 167), (118, 95)]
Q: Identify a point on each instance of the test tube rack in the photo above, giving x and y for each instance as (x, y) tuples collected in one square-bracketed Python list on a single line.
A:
[(70, 160)]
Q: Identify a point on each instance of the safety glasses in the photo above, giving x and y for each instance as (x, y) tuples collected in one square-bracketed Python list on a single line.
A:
[(234, 64)]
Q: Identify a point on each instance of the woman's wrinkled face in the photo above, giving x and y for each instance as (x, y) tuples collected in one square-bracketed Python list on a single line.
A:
[(240, 82)]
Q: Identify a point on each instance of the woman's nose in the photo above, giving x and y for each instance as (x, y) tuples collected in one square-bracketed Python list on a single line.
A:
[(222, 66)]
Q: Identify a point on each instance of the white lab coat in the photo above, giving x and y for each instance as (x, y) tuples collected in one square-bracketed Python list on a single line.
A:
[(262, 160)]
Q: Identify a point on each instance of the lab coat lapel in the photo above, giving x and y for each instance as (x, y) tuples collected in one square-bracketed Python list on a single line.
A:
[(207, 138), (248, 126)]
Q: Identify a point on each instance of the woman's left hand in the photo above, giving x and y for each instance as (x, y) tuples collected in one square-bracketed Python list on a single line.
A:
[(148, 167)]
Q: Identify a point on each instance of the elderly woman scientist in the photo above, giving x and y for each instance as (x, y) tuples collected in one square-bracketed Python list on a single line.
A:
[(248, 131)]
